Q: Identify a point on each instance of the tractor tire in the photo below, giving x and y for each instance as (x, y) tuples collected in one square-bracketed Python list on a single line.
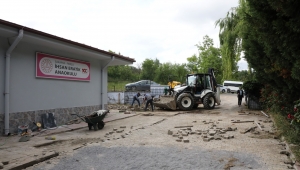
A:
[(223, 91), (100, 125), (185, 101), (209, 101)]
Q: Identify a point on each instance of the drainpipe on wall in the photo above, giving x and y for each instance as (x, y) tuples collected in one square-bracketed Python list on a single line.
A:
[(7, 80), (102, 75)]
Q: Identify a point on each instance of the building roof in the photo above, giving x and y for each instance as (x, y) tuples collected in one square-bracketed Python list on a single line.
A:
[(27, 29)]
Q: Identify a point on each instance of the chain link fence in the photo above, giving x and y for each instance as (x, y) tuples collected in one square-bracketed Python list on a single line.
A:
[(253, 102)]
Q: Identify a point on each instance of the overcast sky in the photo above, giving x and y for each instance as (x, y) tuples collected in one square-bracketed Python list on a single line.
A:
[(164, 29)]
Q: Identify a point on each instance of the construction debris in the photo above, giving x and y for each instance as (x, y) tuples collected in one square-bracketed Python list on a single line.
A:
[(264, 113), (183, 126), (24, 138), (245, 121), (248, 129), (258, 126)]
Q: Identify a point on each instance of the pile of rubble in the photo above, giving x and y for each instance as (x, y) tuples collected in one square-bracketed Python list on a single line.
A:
[(111, 135), (213, 133)]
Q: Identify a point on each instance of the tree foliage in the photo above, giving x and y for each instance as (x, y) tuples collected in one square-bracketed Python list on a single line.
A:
[(230, 42), (148, 68), (271, 44), (209, 57)]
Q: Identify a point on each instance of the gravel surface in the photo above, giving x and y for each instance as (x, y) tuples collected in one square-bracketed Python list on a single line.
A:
[(144, 142), (156, 158)]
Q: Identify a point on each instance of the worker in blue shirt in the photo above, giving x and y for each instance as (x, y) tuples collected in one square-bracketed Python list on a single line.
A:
[(136, 98)]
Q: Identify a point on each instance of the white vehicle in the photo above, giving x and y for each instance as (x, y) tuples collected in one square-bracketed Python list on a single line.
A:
[(232, 86), (223, 89)]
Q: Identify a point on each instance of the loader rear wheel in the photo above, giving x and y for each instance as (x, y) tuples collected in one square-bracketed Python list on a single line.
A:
[(209, 101), (185, 101)]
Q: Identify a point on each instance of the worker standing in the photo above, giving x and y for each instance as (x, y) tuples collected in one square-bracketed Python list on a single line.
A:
[(240, 95), (136, 98), (149, 99)]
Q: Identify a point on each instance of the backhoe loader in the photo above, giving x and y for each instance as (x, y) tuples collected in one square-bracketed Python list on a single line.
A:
[(200, 88)]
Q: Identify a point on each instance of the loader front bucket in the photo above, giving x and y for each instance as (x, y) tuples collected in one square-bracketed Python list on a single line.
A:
[(166, 102)]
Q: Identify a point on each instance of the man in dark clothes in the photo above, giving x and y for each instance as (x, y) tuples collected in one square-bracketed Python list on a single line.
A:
[(136, 98), (149, 99), (240, 95)]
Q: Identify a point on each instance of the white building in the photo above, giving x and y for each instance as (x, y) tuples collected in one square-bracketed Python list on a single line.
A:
[(42, 73)]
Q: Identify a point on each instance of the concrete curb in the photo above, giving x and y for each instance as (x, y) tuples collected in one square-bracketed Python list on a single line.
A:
[(32, 161), (85, 125)]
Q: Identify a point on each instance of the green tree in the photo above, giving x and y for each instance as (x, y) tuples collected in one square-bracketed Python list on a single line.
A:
[(148, 69), (164, 72), (180, 72), (209, 57), (230, 43), (193, 65)]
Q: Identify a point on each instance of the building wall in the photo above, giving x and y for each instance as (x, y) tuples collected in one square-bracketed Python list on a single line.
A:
[(30, 96), (3, 46), (30, 93)]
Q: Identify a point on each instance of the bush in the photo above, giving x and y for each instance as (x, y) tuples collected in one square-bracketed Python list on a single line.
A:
[(252, 88)]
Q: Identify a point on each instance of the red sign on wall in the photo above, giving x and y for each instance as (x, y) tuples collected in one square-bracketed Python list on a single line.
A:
[(49, 66)]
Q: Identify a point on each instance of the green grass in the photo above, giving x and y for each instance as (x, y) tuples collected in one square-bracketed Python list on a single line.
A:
[(117, 85), (290, 134)]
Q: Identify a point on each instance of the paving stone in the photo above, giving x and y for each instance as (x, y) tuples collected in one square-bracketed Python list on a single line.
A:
[(229, 129), (1, 165), (186, 140), (285, 152), (180, 137), (175, 135), (170, 132), (206, 139), (217, 137), (178, 140), (222, 131), (122, 126), (212, 132), (226, 137), (115, 129), (184, 134)]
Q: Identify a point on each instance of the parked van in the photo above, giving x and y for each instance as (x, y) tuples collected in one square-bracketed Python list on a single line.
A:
[(232, 86)]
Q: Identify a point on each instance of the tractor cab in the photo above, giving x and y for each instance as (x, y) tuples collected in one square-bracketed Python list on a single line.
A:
[(199, 82)]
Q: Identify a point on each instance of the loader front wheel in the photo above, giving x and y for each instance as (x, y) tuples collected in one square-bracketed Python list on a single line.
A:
[(185, 101), (209, 101)]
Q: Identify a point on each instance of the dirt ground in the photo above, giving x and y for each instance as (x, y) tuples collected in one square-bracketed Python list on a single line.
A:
[(223, 129)]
